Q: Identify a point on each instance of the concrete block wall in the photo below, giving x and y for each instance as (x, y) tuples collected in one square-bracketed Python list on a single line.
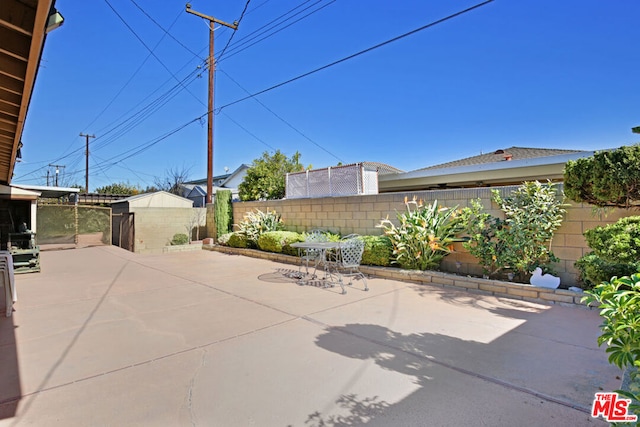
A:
[(361, 214), (155, 227)]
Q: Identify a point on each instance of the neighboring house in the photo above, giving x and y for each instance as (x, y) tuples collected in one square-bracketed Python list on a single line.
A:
[(196, 190), (510, 166)]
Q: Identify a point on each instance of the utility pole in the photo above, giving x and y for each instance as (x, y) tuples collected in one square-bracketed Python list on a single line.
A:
[(212, 68), (58, 167), (86, 176)]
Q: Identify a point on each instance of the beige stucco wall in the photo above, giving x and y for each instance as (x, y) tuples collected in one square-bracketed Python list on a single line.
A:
[(361, 214), (155, 227)]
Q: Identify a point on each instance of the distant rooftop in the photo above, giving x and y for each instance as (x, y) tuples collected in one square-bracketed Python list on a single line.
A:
[(502, 155), (383, 169)]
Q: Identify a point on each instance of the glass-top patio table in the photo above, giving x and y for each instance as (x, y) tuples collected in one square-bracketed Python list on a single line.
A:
[(336, 264), (320, 249)]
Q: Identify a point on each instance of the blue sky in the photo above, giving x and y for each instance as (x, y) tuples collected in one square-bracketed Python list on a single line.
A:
[(525, 73)]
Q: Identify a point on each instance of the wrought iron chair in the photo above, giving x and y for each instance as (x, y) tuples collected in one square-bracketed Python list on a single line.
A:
[(348, 263), (312, 255)]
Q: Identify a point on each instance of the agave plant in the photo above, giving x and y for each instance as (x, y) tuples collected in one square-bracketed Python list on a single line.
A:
[(424, 236)]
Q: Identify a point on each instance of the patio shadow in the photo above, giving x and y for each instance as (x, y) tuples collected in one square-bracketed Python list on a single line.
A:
[(513, 371)]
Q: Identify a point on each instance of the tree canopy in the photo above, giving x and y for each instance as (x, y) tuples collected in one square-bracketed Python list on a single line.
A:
[(123, 188), (606, 179), (265, 179)]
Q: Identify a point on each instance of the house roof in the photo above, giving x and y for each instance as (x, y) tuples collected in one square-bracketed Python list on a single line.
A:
[(225, 178), (486, 170), (23, 29), (505, 154), (383, 169), (152, 196)]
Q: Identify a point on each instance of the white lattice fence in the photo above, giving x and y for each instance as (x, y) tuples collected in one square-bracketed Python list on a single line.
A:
[(333, 181)]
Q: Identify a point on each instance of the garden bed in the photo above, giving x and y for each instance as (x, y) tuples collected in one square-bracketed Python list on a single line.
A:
[(498, 288)]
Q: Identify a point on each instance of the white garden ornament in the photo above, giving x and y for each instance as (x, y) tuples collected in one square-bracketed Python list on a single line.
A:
[(544, 280)]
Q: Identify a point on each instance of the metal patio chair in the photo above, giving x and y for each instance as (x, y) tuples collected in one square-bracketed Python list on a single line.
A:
[(312, 255), (348, 262)]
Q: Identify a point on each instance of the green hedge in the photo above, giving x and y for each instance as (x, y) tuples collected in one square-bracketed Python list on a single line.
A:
[(238, 240), (279, 241), (377, 250)]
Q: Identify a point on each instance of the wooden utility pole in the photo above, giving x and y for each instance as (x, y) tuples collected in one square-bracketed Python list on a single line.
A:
[(58, 167), (86, 176), (212, 68)]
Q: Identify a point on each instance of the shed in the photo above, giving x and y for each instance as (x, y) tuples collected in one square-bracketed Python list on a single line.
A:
[(147, 222)]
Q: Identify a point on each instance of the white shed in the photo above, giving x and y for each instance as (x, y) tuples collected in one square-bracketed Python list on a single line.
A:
[(147, 222)]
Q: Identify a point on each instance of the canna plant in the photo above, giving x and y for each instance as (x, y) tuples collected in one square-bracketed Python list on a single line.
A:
[(424, 236)]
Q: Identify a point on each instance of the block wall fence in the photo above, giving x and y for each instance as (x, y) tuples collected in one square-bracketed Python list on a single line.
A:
[(361, 214)]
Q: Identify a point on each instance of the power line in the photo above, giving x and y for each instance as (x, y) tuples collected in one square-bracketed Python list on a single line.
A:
[(135, 73), (282, 119), (145, 45), (247, 131), (246, 5), (166, 31), (236, 48), (424, 27)]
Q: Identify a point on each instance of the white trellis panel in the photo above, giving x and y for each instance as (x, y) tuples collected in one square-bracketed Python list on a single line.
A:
[(346, 180)]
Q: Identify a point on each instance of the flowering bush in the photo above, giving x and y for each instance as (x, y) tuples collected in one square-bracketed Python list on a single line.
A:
[(522, 240), (424, 235), (258, 222), (620, 309)]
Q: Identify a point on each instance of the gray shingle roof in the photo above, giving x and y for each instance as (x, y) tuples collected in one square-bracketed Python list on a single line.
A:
[(513, 153)]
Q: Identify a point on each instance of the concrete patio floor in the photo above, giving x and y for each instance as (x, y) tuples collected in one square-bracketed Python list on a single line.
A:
[(106, 337)]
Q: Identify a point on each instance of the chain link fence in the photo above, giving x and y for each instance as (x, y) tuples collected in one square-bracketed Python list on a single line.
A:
[(68, 224)]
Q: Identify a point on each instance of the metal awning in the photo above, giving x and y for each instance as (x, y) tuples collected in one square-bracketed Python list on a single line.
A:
[(48, 192)]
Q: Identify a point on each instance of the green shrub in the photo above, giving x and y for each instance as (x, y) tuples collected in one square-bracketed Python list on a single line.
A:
[(620, 309), (279, 241), (594, 270), (238, 240), (223, 212), (180, 239), (258, 222), (521, 241), (424, 236), (608, 178), (615, 251), (223, 239), (378, 250)]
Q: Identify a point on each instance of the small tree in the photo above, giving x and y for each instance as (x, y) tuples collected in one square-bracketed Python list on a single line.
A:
[(606, 179), (265, 179), (522, 240), (173, 181), (223, 212)]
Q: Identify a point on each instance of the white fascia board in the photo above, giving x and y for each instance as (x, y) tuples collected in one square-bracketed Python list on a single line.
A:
[(487, 167)]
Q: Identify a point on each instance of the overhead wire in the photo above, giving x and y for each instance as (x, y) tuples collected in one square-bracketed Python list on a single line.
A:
[(362, 52), (236, 48), (246, 5), (145, 45), (281, 118), (198, 55)]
